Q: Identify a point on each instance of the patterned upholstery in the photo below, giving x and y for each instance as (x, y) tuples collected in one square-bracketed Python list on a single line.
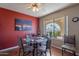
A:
[(69, 46)]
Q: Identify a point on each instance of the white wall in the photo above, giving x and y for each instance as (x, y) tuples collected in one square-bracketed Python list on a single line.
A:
[(73, 27)]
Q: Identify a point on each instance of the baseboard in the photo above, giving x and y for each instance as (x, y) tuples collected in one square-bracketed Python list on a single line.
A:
[(61, 49), (8, 49), (56, 47)]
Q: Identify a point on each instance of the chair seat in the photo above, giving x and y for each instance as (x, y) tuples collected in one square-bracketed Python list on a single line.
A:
[(70, 47), (42, 48)]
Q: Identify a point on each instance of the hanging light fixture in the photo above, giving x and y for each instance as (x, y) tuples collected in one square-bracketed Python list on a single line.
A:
[(35, 6)]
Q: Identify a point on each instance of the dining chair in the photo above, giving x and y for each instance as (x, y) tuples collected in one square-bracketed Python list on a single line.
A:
[(69, 44), (49, 46), (45, 46), (25, 49)]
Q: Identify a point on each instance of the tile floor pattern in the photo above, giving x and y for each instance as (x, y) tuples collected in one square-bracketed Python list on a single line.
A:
[(55, 52)]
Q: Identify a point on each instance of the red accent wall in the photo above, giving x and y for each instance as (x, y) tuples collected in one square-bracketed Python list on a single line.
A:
[(8, 35)]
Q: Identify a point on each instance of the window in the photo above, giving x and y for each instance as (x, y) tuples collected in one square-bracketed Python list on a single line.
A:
[(56, 27), (53, 29)]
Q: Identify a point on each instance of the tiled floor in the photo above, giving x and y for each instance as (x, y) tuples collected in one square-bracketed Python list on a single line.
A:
[(55, 52)]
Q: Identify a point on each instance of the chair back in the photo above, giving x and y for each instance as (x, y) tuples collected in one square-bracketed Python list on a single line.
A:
[(43, 43), (20, 43), (48, 45), (70, 39), (48, 42)]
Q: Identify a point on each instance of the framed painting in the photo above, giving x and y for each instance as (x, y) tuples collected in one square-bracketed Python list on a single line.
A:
[(23, 25)]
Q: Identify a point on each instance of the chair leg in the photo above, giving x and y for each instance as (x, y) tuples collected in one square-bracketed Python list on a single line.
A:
[(50, 51), (23, 52), (41, 53), (45, 53), (19, 51), (62, 51), (74, 53)]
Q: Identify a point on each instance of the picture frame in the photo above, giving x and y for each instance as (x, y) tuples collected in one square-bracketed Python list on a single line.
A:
[(23, 25)]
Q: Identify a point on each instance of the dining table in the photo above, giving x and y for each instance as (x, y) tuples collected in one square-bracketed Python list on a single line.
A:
[(35, 41)]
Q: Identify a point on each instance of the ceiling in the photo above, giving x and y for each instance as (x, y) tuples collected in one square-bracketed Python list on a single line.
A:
[(45, 8)]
